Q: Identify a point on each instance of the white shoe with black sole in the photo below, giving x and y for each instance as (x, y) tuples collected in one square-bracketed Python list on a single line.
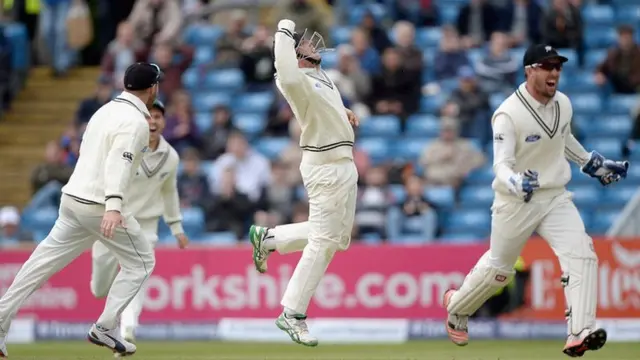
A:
[(111, 339)]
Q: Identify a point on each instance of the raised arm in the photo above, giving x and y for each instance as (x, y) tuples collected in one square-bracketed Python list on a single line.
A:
[(171, 200), (127, 145), (288, 73)]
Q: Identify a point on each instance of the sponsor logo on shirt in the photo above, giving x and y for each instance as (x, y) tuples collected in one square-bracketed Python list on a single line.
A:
[(498, 137), (532, 138), (127, 156)]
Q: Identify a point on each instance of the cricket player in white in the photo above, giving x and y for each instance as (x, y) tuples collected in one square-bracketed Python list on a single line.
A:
[(328, 172), (532, 143), (153, 192), (94, 207)]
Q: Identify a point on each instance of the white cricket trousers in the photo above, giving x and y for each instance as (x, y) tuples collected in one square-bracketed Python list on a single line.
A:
[(104, 269), (75, 230), (332, 190), (556, 220)]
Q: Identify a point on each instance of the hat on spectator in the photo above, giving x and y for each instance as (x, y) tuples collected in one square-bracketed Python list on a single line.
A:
[(141, 76), (157, 104), (9, 215), (540, 53)]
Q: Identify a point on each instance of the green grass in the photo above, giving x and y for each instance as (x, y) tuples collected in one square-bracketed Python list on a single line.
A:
[(417, 350)]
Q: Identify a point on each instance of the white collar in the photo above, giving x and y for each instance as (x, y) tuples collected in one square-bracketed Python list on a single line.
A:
[(163, 146), (135, 101)]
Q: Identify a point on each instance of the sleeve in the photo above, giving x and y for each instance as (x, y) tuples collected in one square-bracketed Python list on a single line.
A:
[(126, 147), (574, 151), (288, 73), (504, 148), (171, 200)]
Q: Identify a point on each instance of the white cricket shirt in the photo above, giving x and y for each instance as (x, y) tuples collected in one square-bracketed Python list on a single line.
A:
[(530, 135), (327, 135), (111, 151), (154, 188)]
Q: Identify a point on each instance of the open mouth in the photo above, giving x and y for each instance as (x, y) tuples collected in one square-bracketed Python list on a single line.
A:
[(552, 83), (153, 129)]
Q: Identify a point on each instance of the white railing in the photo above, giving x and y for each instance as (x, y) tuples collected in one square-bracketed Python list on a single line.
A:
[(628, 223)]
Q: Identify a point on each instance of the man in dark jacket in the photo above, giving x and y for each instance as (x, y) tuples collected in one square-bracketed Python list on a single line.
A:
[(476, 22)]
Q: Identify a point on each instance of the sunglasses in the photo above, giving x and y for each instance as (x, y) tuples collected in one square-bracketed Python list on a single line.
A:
[(548, 66)]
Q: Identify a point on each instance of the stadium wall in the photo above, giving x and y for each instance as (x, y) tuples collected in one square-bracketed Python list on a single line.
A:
[(380, 294)]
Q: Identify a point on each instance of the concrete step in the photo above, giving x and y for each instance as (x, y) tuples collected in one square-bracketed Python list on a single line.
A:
[(47, 119), (24, 109)]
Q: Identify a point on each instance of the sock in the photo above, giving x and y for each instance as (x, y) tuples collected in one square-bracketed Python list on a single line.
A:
[(269, 241)]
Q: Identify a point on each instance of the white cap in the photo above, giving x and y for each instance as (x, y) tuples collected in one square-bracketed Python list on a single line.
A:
[(9, 215)]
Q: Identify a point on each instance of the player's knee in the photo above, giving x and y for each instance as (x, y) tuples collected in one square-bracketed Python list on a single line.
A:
[(99, 290)]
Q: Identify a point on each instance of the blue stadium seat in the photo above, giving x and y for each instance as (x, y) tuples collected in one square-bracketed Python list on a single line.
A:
[(441, 196), (423, 125), (272, 147), (221, 238), (476, 55), (496, 99), (615, 126), (598, 15), (483, 176), (203, 121), (453, 237), (428, 57), (41, 219), (579, 82), (572, 56), (202, 35), (227, 80), (628, 14), (586, 196), (432, 104), (249, 123), (518, 53), (476, 196), (469, 220), (597, 37), (203, 55), (589, 103), (376, 148), (329, 59), (371, 238), (203, 102), (398, 192), (356, 14), (448, 13), (594, 57), (340, 35), (380, 125), (617, 195), (603, 220), (258, 102), (622, 104), (610, 148), (410, 149), (578, 178), (193, 221), (428, 37), (582, 122)]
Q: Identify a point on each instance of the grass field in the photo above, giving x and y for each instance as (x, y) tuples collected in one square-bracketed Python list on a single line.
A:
[(419, 350)]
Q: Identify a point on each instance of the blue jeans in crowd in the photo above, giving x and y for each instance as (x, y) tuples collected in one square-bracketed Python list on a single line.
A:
[(53, 29), (399, 225), (47, 196)]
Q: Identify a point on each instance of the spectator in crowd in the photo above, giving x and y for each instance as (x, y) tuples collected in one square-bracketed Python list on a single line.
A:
[(229, 45), (562, 27), (374, 197), (279, 196), (522, 22), (306, 14), (279, 117), (292, 154), (362, 161), (470, 105), (395, 90), (367, 55), (90, 105), (53, 29), (449, 159), (232, 209), (351, 80), (214, 140), (156, 21), (497, 70), (10, 232), (622, 64), (300, 212), (70, 144), (451, 56), (53, 168), (405, 34), (251, 169), (193, 186), (181, 131), (415, 216), (121, 52), (378, 36), (163, 55), (257, 61), (476, 22), (6, 71), (423, 13)]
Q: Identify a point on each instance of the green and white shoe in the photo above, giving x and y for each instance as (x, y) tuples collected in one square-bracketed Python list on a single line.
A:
[(257, 235), (296, 327)]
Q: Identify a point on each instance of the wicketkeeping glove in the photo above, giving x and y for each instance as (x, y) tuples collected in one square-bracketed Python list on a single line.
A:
[(524, 184), (606, 171)]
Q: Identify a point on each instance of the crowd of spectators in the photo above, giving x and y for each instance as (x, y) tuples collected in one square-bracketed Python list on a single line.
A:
[(379, 71)]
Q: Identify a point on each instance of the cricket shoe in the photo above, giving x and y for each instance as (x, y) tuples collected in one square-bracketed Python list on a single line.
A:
[(457, 330), (296, 327), (577, 345), (3, 347), (257, 234), (111, 339)]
